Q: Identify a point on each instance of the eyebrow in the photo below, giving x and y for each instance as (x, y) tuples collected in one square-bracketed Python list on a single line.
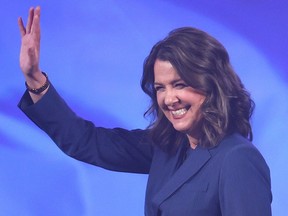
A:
[(173, 82)]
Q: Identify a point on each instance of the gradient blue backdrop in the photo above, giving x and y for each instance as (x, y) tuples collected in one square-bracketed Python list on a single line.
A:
[(93, 52)]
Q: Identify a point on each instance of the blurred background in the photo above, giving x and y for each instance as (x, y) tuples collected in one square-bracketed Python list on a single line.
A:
[(93, 52)]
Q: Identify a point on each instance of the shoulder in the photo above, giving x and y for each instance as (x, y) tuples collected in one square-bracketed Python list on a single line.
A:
[(241, 159), (244, 177), (238, 158), (236, 147)]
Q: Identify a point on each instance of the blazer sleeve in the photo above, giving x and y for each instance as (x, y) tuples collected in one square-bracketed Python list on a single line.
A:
[(245, 185), (114, 149)]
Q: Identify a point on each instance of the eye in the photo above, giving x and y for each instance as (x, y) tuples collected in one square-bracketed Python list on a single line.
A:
[(158, 88), (180, 85)]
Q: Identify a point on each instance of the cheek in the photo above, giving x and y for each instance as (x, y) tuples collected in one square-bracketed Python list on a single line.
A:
[(198, 110), (198, 100), (159, 99)]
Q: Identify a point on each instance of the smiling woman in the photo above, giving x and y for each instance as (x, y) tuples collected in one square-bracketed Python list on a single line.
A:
[(197, 151), (179, 102), (200, 62)]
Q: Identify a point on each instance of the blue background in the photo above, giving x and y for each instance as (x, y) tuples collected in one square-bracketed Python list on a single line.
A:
[(93, 52)]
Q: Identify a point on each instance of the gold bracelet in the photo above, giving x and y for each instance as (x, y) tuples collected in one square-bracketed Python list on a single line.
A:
[(41, 89)]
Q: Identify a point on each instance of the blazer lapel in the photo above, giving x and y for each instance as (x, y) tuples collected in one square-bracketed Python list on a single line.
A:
[(185, 172)]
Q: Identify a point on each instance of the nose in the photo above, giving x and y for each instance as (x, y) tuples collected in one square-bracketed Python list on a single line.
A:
[(170, 98)]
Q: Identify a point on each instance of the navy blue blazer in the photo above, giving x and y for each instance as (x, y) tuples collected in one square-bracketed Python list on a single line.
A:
[(231, 179)]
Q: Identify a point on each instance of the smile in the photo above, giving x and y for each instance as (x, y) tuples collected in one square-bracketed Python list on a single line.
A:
[(179, 112)]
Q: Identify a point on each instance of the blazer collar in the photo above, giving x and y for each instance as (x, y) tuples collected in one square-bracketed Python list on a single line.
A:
[(183, 174)]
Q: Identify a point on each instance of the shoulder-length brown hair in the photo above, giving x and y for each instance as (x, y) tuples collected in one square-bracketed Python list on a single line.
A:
[(203, 63)]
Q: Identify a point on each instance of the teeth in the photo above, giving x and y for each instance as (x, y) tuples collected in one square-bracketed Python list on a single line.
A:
[(179, 112)]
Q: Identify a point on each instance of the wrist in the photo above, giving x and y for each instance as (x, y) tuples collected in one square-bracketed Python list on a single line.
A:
[(35, 79), (37, 84)]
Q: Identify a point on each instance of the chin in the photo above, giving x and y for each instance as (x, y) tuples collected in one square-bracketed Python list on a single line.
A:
[(181, 129)]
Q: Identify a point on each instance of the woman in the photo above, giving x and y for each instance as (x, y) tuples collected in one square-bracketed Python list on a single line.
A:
[(197, 150)]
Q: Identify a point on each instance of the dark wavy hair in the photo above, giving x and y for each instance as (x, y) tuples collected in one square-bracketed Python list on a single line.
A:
[(203, 63)]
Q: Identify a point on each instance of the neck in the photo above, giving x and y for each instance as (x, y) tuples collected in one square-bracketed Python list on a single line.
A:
[(192, 141)]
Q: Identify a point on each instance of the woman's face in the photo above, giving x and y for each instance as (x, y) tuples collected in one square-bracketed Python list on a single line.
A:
[(179, 102)]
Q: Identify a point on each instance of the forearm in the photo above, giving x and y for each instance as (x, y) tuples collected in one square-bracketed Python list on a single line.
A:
[(113, 149), (36, 81)]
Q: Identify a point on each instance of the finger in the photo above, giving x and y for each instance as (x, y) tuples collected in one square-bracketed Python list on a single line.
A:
[(30, 20), (21, 27), (37, 11), (36, 22), (35, 30)]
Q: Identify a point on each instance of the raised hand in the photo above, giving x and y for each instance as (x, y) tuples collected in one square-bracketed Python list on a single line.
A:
[(30, 51), (30, 46)]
